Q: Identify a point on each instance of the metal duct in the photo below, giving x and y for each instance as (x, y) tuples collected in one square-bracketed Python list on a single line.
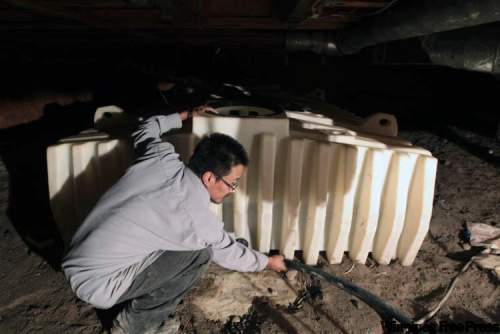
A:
[(476, 49), (405, 20), (317, 42)]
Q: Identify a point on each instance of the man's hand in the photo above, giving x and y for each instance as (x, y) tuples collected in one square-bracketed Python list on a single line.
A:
[(195, 111), (277, 263), (185, 114), (202, 109)]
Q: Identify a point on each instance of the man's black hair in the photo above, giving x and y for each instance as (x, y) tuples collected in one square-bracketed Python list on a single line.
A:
[(217, 153)]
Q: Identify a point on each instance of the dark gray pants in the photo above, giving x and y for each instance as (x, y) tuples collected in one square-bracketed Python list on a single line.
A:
[(155, 292)]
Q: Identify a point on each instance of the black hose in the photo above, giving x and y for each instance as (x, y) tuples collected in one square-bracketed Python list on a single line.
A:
[(384, 310)]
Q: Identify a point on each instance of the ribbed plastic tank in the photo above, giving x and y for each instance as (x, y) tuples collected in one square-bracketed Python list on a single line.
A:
[(312, 184)]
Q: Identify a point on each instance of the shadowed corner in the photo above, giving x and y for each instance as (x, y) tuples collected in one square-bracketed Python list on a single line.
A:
[(23, 151)]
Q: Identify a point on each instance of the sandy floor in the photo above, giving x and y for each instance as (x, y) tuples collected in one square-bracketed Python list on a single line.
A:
[(37, 299)]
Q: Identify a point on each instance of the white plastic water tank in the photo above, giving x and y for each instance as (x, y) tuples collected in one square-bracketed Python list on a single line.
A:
[(311, 185)]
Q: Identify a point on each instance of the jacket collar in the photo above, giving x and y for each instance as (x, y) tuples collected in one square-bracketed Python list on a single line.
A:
[(199, 187)]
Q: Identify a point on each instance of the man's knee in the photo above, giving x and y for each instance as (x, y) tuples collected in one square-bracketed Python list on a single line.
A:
[(204, 257), (199, 263)]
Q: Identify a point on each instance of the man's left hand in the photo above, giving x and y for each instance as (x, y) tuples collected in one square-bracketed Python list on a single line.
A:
[(195, 111)]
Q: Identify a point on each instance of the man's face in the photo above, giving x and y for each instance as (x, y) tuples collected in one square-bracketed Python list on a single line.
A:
[(219, 188)]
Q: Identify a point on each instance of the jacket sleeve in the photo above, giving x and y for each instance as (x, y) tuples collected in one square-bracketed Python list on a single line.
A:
[(147, 138), (227, 252)]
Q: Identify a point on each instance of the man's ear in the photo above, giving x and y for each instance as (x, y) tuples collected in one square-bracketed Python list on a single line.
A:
[(208, 178)]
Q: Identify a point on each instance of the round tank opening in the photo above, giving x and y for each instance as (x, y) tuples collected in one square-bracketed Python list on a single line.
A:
[(384, 122)]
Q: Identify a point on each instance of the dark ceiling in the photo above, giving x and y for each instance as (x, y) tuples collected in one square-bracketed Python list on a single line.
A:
[(406, 57), (166, 22)]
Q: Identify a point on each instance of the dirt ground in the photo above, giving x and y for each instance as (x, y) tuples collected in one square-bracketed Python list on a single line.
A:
[(36, 298)]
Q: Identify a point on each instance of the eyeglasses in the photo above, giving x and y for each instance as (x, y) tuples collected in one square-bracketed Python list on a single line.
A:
[(233, 186)]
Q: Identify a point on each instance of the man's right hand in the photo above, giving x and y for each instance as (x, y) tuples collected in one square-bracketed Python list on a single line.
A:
[(276, 263)]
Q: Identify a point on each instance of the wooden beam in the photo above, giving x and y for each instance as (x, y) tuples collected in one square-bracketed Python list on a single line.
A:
[(359, 4), (81, 16), (95, 39), (132, 20), (237, 8), (40, 26), (59, 12)]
